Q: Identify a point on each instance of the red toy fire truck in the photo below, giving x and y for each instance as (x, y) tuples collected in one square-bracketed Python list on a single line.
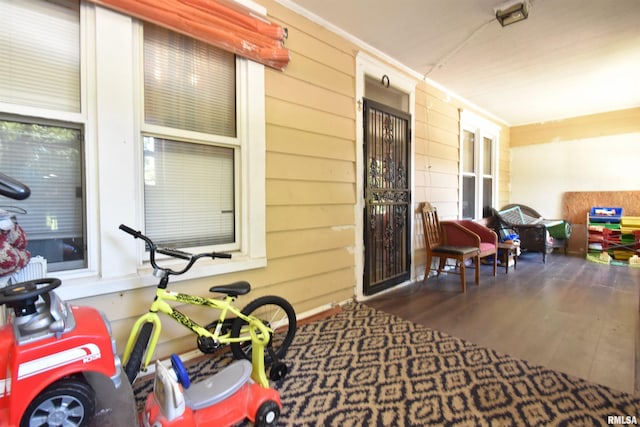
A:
[(47, 347)]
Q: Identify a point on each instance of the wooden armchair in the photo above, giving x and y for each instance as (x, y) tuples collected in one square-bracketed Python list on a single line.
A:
[(438, 246)]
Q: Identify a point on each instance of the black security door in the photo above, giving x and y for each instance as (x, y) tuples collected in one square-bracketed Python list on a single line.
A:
[(386, 211)]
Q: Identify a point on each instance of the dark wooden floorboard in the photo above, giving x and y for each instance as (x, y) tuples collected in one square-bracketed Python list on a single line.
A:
[(568, 314)]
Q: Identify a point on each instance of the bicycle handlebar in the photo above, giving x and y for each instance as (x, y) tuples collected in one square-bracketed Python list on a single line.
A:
[(176, 253)]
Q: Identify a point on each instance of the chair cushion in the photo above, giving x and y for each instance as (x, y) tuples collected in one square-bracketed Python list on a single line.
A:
[(455, 250), (484, 247)]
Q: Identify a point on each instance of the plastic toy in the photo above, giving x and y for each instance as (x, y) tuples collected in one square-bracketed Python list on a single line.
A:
[(47, 345), (224, 399)]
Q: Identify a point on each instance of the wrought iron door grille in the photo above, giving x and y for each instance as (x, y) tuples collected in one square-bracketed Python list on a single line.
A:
[(387, 197)]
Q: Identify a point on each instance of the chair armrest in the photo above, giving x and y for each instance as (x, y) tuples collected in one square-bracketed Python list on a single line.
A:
[(486, 234), (457, 235)]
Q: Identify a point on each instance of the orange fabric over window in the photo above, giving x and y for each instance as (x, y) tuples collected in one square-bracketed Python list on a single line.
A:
[(224, 24)]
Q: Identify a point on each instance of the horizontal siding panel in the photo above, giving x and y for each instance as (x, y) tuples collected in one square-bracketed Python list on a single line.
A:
[(440, 121), (339, 296), (332, 288), (421, 163), (448, 210), (289, 243), (419, 131), (295, 141), (281, 192), (443, 195), (319, 74), (119, 306), (285, 114), (323, 285), (446, 166), (441, 151), (283, 218), (290, 19), (420, 146), (300, 266), (440, 106), (444, 180), (435, 92), (300, 92), (285, 166), (434, 164), (442, 136), (310, 46)]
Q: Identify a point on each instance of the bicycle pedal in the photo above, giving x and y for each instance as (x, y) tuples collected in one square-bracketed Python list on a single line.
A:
[(207, 344)]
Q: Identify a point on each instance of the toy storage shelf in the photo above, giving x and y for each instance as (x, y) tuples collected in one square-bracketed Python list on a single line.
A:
[(609, 231)]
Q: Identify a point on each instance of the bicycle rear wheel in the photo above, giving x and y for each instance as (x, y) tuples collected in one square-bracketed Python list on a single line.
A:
[(135, 359), (276, 313)]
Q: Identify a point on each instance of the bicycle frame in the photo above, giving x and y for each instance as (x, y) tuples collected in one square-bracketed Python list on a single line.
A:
[(255, 331)]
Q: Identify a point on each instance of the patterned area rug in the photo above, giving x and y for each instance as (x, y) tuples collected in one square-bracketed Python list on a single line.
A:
[(363, 367)]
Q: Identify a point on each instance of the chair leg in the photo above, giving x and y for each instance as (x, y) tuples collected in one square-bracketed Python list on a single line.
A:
[(427, 267), (495, 264), (463, 278), (441, 265), (477, 261)]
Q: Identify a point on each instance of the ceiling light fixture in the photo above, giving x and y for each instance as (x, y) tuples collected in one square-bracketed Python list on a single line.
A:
[(512, 12)]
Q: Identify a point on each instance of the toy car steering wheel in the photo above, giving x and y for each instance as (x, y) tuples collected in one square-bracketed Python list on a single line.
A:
[(180, 370), (28, 291)]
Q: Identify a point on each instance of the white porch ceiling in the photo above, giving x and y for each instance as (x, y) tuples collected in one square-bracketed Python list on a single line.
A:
[(569, 58)]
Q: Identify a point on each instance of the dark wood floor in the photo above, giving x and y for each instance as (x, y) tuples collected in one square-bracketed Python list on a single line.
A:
[(570, 314)]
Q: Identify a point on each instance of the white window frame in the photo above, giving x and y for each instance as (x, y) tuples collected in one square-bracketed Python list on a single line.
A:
[(111, 106), (80, 119), (481, 128)]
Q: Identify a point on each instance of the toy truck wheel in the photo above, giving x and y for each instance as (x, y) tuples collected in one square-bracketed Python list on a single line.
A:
[(268, 414), (68, 402)]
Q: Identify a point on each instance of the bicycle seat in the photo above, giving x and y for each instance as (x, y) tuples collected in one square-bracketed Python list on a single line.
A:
[(234, 289)]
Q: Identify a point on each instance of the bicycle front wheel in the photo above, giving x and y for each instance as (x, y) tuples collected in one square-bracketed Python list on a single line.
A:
[(135, 359), (277, 314)]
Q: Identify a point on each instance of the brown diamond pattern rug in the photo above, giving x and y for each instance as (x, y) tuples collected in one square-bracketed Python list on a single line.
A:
[(364, 367)]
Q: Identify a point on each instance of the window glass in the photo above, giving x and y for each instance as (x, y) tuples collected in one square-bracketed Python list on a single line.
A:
[(487, 156), (188, 197), (189, 161), (487, 196), (48, 159), (468, 197), (468, 152), (188, 84), (40, 45)]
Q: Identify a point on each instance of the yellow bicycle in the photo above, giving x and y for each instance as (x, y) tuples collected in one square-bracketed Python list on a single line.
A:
[(261, 332)]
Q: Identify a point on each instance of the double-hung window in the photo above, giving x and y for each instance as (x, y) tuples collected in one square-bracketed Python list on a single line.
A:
[(202, 144), (190, 141), (478, 160), (42, 125)]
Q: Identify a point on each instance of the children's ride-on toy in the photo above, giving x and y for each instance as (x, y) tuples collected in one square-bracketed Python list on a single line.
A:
[(224, 399), (47, 347)]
